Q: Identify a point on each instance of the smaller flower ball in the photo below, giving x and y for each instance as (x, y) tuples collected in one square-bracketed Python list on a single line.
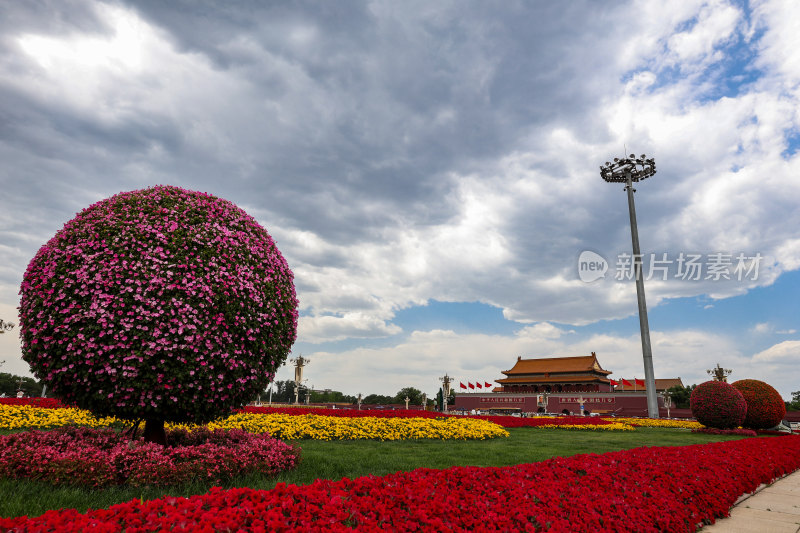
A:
[(717, 404), (765, 407)]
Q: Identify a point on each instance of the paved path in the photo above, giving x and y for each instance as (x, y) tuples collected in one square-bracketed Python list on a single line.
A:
[(774, 508)]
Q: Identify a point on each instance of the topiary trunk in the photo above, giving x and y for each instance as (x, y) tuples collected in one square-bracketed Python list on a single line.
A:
[(154, 431)]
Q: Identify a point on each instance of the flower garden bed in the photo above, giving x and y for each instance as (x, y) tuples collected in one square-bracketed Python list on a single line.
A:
[(635, 490), (299, 423), (26, 416), (310, 426), (283, 426), (44, 403), (102, 457), (567, 422), (715, 431)]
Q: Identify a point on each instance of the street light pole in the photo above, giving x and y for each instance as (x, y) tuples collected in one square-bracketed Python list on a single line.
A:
[(629, 170)]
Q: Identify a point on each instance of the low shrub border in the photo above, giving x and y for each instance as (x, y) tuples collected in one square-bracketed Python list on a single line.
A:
[(42, 403), (634, 490), (102, 457), (714, 431)]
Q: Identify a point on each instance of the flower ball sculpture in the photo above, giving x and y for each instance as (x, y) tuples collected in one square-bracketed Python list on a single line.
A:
[(160, 304), (765, 407), (717, 404)]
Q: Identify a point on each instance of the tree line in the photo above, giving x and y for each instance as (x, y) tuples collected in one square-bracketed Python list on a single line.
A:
[(283, 392), (10, 384)]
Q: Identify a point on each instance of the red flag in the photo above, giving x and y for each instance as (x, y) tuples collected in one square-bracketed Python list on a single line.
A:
[(487, 385), (613, 383), (639, 382), (477, 384), (471, 386), (462, 385), (626, 382)]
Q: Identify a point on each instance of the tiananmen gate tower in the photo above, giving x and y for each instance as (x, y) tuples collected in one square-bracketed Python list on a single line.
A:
[(556, 384)]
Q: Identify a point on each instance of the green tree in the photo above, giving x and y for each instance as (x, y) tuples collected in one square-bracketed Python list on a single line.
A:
[(10, 383), (378, 399), (680, 396), (331, 396), (794, 405), (414, 396)]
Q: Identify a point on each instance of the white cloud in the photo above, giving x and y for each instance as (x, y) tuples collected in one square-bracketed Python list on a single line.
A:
[(786, 352), (715, 24), (351, 325), (762, 327)]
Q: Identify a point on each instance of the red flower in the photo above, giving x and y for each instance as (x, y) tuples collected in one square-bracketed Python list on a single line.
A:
[(633, 490)]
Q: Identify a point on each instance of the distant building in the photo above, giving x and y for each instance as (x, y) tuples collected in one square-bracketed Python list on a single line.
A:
[(556, 374), (559, 384), (661, 385)]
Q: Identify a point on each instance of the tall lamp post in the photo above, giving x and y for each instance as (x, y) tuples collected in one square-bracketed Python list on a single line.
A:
[(629, 170)]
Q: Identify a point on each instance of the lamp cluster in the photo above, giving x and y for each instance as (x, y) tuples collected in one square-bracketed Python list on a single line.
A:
[(638, 168)]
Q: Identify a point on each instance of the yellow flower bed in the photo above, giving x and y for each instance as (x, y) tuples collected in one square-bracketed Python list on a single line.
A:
[(660, 423), (27, 417), (616, 426), (295, 427), (289, 427)]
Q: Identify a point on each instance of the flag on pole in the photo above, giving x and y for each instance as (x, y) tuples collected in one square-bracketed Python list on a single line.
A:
[(462, 385), (471, 386), (478, 384), (626, 383), (639, 382), (487, 385), (613, 383)]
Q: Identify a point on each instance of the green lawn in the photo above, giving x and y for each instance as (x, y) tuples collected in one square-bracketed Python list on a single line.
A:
[(334, 460)]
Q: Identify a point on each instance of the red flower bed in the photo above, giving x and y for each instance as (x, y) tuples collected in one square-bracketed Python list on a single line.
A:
[(635, 490), (101, 457), (349, 413), (713, 431), (42, 403), (504, 421)]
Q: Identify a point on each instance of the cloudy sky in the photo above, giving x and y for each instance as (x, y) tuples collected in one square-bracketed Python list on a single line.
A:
[(430, 170)]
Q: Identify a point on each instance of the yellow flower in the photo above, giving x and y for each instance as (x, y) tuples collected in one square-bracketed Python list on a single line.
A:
[(616, 426), (660, 423), (294, 427), (27, 417)]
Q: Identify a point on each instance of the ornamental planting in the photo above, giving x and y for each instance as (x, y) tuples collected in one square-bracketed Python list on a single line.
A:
[(97, 458), (717, 404), (633, 490), (158, 304), (765, 407)]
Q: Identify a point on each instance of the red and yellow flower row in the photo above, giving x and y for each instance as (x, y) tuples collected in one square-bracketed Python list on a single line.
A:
[(283, 426), (33, 418), (633, 490)]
